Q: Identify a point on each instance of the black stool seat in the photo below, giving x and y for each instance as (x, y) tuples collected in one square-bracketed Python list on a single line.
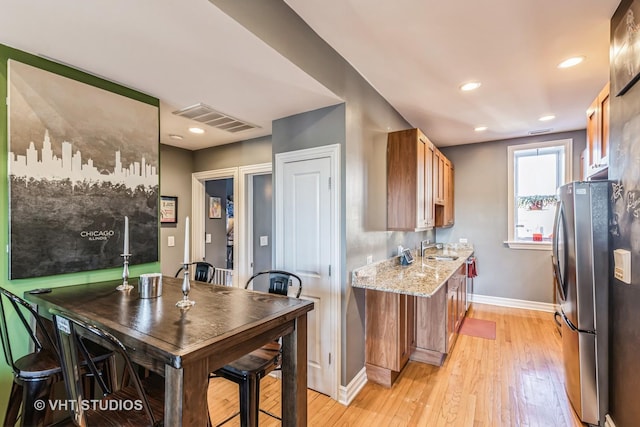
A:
[(42, 364), (259, 362)]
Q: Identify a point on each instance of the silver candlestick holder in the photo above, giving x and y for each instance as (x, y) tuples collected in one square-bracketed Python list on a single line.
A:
[(125, 286), (185, 303)]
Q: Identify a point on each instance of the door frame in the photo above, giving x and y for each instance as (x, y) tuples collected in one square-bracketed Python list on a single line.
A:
[(334, 324), (245, 217), (198, 204)]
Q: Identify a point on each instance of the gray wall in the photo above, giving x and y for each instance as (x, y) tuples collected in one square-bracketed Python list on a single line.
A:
[(262, 226), (367, 119), (624, 349), (243, 153), (317, 128), (481, 210), (176, 165), (216, 251)]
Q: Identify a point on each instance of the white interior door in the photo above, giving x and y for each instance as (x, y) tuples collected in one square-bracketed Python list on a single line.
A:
[(305, 222)]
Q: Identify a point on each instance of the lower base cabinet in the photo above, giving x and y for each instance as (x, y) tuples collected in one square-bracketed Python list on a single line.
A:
[(432, 342), (400, 327), (389, 334)]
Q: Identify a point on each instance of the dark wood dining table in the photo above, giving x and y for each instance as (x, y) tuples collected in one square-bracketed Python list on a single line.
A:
[(185, 346)]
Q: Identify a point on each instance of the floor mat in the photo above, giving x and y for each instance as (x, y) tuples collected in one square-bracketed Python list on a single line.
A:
[(478, 328)]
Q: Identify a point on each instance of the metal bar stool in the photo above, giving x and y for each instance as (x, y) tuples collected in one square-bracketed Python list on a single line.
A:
[(248, 370), (204, 271), (33, 373), (73, 334)]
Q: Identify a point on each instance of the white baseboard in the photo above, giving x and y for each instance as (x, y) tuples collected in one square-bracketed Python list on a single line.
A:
[(348, 393), (608, 421), (514, 303)]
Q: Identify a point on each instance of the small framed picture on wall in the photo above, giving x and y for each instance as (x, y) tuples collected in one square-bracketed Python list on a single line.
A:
[(168, 210), (215, 208)]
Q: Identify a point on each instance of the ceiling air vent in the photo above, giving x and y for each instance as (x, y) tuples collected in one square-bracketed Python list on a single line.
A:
[(204, 114), (539, 131)]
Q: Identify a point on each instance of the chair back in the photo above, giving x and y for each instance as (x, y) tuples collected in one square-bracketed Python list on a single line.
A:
[(279, 281), (72, 334), (17, 305), (203, 271)]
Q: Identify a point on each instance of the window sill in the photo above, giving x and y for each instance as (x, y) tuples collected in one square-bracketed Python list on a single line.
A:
[(536, 246)]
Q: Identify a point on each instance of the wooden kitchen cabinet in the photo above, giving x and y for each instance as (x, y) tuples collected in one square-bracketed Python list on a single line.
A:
[(462, 295), (444, 212), (456, 305), (439, 177), (597, 156), (438, 320), (420, 186), (431, 328), (458, 292), (410, 181), (452, 312), (389, 328), (402, 327)]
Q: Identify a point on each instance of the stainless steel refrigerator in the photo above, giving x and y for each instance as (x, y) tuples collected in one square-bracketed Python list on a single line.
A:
[(581, 267)]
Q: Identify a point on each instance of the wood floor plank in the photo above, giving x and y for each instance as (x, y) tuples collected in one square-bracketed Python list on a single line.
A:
[(515, 380)]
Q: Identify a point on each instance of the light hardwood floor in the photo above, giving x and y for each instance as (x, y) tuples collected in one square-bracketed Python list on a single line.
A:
[(514, 380)]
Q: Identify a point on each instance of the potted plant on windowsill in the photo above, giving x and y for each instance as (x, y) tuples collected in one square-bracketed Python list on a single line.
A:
[(537, 202)]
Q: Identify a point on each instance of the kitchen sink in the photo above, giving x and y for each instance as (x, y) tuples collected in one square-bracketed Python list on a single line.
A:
[(443, 257)]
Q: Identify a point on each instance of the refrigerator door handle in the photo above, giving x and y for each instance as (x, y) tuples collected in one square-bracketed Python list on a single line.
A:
[(574, 327), (557, 272)]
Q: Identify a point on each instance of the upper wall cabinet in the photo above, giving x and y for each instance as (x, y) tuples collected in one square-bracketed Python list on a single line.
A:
[(597, 155), (439, 173), (443, 182), (410, 159)]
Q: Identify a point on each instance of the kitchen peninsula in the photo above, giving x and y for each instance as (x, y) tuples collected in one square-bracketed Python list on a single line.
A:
[(412, 312)]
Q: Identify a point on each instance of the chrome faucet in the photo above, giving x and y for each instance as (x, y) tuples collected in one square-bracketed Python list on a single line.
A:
[(424, 245)]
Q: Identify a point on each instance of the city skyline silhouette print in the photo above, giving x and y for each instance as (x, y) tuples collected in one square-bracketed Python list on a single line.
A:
[(81, 158)]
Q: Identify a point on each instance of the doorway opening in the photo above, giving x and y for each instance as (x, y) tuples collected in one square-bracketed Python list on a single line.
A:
[(219, 223), (241, 240), (211, 211)]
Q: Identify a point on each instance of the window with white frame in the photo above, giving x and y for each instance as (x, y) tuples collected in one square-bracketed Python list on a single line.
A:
[(536, 170)]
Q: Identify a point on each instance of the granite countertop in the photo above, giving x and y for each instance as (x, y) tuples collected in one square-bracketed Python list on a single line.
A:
[(421, 278)]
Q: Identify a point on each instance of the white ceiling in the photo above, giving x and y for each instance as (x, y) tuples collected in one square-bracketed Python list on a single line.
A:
[(183, 52), (414, 52), (417, 53)]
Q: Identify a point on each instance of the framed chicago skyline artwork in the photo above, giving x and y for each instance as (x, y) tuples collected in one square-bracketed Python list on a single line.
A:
[(81, 158)]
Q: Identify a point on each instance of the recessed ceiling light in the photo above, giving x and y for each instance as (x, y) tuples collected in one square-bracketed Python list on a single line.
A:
[(571, 62), (480, 128), (175, 136), (196, 130), (470, 86), (547, 118)]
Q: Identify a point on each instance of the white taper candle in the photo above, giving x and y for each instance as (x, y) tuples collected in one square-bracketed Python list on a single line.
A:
[(186, 241), (126, 235)]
